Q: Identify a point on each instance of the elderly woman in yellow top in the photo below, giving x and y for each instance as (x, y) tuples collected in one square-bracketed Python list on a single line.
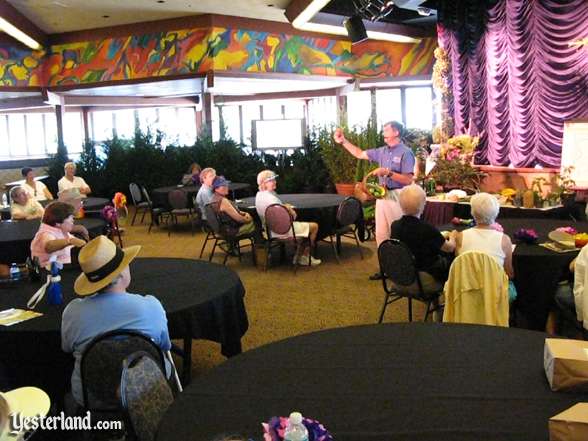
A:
[(70, 181), (484, 237), (24, 207)]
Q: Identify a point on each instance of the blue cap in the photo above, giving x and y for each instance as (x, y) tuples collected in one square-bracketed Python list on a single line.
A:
[(220, 181)]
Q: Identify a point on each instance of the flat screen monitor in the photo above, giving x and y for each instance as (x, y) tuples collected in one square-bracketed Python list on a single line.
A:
[(276, 134)]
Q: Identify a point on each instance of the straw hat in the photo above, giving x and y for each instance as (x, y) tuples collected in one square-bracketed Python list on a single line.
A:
[(101, 261), (26, 401)]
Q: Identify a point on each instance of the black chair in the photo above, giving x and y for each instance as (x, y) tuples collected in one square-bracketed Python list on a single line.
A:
[(140, 205), (209, 236), (279, 225), (157, 214), (225, 241), (145, 395), (178, 201), (402, 280), (348, 214)]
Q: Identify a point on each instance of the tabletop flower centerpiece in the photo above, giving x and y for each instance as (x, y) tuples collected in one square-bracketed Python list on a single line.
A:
[(526, 235), (275, 428)]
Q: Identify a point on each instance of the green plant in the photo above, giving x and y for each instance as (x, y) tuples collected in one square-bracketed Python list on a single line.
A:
[(55, 167), (340, 164), (456, 173)]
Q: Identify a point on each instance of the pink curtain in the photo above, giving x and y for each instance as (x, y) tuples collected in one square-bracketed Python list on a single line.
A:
[(518, 80)]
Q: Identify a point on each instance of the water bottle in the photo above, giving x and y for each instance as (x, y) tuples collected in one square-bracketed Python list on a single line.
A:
[(296, 431), (14, 272)]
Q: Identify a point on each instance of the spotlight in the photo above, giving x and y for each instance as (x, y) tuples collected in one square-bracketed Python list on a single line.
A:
[(355, 29)]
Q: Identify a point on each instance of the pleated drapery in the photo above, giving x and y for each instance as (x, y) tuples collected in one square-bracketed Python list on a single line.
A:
[(519, 80)]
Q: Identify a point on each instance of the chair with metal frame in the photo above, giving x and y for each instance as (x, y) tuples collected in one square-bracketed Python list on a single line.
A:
[(226, 242), (279, 226), (178, 201), (348, 214), (401, 279), (140, 205), (157, 214)]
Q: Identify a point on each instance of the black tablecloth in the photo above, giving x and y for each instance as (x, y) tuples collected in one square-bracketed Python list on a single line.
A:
[(89, 204), (159, 195), (310, 207), (202, 300), (439, 213), (537, 269), (16, 237), (401, 382)]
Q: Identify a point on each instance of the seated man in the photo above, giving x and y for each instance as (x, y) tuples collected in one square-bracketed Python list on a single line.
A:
[(205, 192), (266, 196), (71, 181), (232, 221), (423, 239), (573, 303), (106, 305), (24, 207)]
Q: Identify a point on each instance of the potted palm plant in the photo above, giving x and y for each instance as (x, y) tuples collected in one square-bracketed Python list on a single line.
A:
[(340, 164)]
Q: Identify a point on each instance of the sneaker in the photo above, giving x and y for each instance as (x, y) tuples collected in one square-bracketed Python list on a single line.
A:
[(315, 262), (302, 260)]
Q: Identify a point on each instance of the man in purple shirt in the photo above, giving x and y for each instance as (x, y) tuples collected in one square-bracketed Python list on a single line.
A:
[(396, 170)]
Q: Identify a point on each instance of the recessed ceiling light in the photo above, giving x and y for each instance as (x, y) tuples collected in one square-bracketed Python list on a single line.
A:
[(271, 5), (106, 16), (160, 1)]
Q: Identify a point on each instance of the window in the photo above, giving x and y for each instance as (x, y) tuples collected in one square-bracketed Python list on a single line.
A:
[(322, 112), (215, 124), (125, 123), (102, 125), (147, 120), (232, 123), (4, 143), (359, 108), (250, 113), (187, 123), (388, 105), (294, 110), (50, 133), (73, 132), (272, 110), (419, 108), (17, 135), (35, 135)]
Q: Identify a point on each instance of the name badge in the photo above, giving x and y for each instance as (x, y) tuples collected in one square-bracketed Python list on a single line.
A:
[(396, 160)]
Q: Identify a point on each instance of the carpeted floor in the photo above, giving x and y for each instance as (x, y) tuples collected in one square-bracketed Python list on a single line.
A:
[(280, 304)]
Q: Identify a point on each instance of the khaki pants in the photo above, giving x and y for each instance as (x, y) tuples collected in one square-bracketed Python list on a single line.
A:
[(387, 211)]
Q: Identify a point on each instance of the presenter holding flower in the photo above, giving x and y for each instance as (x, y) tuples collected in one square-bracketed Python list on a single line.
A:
[(396, 170)]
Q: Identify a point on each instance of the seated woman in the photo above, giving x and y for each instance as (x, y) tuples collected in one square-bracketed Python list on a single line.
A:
[(54, 236), (423, 239), (70, 181), (24, 207), (36, 189), (233, 221), (192, 176), (484, 237)]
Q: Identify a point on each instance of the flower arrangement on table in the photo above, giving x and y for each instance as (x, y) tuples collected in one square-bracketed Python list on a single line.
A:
[(109, 214), (526, 235), (275, 428), (568, 230), (454, 167)]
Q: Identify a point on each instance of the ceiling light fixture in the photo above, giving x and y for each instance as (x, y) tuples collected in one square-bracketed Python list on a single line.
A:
[(373, 10), (16, 33)]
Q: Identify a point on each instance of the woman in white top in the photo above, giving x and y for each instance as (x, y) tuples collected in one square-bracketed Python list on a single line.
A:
[(36, 189), (483, 237), (71, 181)]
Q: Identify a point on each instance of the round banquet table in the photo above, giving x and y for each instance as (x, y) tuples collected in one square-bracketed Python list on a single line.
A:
[(537, 269), (16, 236), (202, 300), (401, 382), (310, 207), (159, 195), (89, 204)]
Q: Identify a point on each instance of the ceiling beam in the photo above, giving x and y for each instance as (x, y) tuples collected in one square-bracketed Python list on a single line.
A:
[(226, 99), (21, 103), (115, 101), (15, 18)]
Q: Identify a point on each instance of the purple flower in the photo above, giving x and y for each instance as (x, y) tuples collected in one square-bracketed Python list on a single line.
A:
[(109, 213), (275, 428), (527, 235)]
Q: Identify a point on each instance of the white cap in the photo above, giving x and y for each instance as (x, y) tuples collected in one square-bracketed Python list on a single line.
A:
[(295, 418)]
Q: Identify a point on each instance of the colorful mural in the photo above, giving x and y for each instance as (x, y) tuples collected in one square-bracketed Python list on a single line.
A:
[(211, 49)]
